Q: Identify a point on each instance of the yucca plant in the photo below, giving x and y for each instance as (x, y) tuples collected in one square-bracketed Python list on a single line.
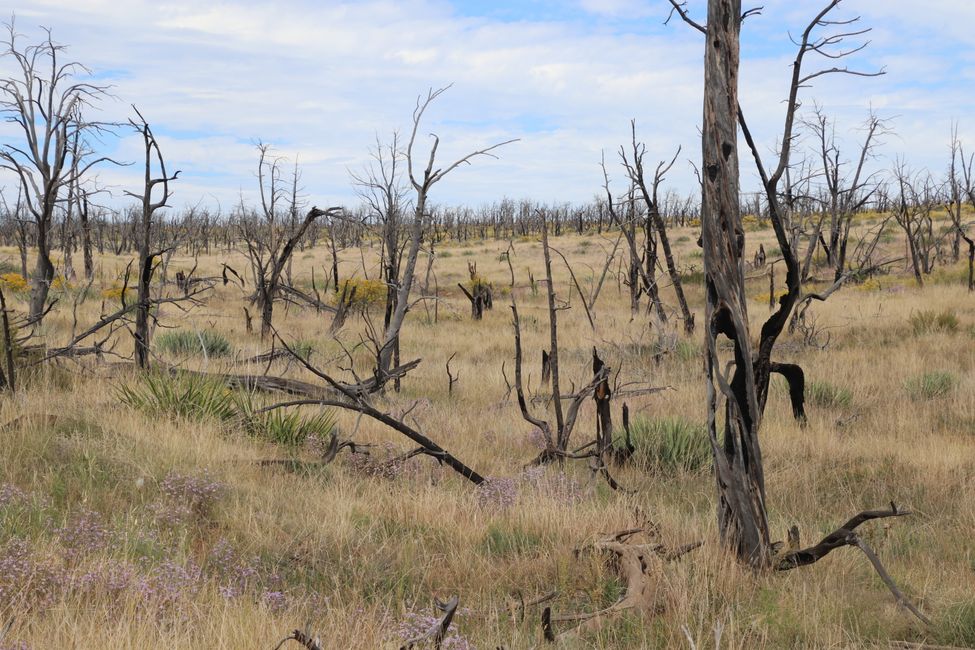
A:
[(670, 444), (930, 385), (191, 396), (187, 342), (284, 427), (825, 394), (927, 322)]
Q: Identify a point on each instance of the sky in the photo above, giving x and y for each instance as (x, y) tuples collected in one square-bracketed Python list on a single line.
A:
[(320, 81)]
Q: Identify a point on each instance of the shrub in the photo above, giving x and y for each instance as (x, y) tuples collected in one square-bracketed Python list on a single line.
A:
[(957, 626), (504, 541), (303, 349), (14, 282), (692, 275), (187, 342), (202, 398), (190, 396), (284, 427), (7, 266), (670, 444), (687, 351), (477, 283), (114, 292), (59, 282), (930, 385), (927, 322), (825, 394), (368, 293)]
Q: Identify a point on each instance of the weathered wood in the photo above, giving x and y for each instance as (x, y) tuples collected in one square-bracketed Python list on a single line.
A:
[(740, 478)]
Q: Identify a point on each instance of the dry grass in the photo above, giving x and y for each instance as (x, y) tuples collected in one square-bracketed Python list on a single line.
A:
[(355, 554)]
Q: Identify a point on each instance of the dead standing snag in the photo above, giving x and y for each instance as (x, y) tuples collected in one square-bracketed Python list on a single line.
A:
[(739, 473)]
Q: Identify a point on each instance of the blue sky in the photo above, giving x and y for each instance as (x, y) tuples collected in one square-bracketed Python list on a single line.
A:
[(320, 79)]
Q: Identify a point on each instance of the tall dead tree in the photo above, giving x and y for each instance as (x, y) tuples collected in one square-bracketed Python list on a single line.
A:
[(964, 186), (46, 102), (641, 276), (655, 222), (270, 236), (380, 185), (422, 182), (742, 514), (844, 194), (738, 459), (149, 208)]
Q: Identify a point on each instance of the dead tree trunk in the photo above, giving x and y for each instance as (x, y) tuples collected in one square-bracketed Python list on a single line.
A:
[(145, 256), (602, 396), (738, 460)]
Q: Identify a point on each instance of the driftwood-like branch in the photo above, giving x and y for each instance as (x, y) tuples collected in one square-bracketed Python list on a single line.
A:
[(350, 399), (304, 638), (438, 631), (846, 535), (640, 566)]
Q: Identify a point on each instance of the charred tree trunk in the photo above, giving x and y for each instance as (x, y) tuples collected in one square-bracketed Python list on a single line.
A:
[(738, 468), (602, 396)]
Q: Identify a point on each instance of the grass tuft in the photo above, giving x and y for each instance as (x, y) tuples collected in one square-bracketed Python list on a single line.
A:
[(930, 385), (188, 342), (670, 444)]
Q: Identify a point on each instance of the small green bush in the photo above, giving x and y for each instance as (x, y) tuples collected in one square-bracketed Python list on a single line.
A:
[(304, 349), (281, 426), (688, 351), (928, 322), (188, 342), (503, 541), (957, 626), (189, 396), (670, 444), (825, 394), (692, 275), (930, 385), (199, 397)]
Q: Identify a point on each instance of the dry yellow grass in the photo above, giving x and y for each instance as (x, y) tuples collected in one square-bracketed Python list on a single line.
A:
[(357, 553)]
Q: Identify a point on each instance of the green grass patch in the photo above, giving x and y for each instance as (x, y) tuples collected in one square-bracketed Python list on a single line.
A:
[(188, 342), (827, 395), (929, 322), (502, 541), (670, 444), (930, 385)]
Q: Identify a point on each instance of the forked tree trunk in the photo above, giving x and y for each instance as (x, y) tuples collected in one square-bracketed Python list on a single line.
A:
[(43, 272), (740, 478)]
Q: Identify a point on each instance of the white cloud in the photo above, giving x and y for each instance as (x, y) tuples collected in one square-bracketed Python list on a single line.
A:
[(321, 79)]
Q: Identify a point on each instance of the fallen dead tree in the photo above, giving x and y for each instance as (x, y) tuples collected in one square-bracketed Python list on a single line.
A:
[(641, 568), (846, 535), (347, 398), (438, 630)]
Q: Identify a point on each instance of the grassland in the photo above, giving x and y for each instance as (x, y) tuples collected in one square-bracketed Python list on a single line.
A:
[(128, 527)]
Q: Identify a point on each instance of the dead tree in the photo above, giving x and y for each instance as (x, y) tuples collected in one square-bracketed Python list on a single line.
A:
[(557, 441), (961, 187), (641, 568), (480, 293), (380, 185), (844, 195), (913, 212), (637, 270), (270, 237), (146, 257), (46, 102), (634, 169), (742, 515), (422, 182), (355, 398)]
